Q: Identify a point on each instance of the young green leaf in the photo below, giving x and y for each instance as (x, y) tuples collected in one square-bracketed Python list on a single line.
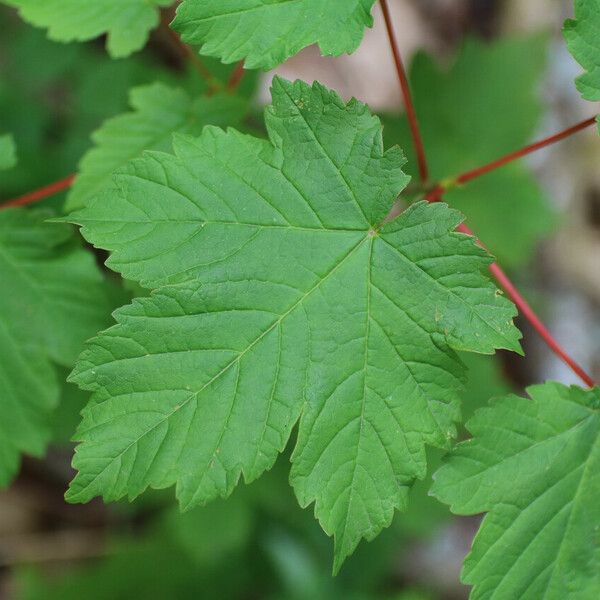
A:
[(582, 39), (534, 467), (294, 302), (264, 33), (42, 322), (160, 111), (8, 152), (126, 22), (491, 106)]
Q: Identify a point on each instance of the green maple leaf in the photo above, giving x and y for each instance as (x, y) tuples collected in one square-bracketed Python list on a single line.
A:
[(292, 303), (53, 299), (506, 207), (534, 467), (8, 152), (160, 111), (126, 22), (264, 33), (582, 39)]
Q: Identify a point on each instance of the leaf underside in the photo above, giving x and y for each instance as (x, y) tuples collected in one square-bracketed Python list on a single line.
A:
[(278, 299), (264, 33), (127, 23), (534, 467)]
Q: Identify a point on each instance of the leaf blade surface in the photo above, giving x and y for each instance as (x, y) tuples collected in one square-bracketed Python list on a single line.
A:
[(532, 465), (264, 33)]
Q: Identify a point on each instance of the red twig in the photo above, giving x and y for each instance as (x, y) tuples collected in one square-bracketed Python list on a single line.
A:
[(500, 162), (406, 95), (436, 192), (236, 77), (40, 194), (526, 310), (435, 195)]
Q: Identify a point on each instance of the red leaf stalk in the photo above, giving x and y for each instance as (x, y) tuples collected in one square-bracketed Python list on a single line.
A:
[(526, 310), (40, 194), (406, 95), (500, 162)]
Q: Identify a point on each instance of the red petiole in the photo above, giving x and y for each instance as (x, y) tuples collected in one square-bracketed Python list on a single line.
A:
[(406, 95), (40, 194)]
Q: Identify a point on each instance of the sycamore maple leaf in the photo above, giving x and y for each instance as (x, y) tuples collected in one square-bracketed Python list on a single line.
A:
[(280, 298)]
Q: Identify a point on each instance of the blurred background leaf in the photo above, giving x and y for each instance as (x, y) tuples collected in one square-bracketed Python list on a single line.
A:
[(486, 104)]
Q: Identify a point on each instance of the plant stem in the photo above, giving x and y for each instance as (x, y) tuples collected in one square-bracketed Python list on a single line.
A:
[(40, 194), (236, 77), (512, 156), (406, 95), (437, 190)]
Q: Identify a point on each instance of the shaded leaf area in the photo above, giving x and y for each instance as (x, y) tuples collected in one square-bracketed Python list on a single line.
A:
[(159, 112), (581, 35), (292, 304), (8, 152), (265, 33), (534, 467), (54, 299), (127, 23), (75, 88), (485, 380), (485, 105), (67, 415)]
